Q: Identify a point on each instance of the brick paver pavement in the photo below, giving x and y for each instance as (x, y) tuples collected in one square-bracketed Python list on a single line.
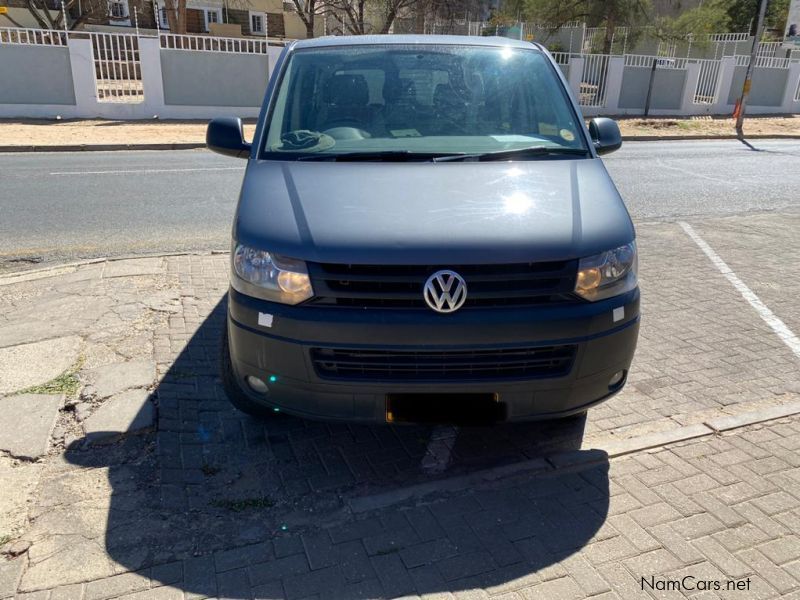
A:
[(212, 503), (721, 510)]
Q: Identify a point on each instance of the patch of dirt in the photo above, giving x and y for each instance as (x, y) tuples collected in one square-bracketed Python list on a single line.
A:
[(50, 132), (709, 126)]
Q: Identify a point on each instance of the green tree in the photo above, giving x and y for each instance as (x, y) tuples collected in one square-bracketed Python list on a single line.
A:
[(609, 14), (710, 17), (742, 14)]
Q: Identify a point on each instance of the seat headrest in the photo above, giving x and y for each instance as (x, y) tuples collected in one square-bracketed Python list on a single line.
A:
[(395, 89), (347, 89)]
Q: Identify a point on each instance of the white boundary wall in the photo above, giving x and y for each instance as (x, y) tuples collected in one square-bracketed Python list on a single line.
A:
[(89, 105), (604, 85)]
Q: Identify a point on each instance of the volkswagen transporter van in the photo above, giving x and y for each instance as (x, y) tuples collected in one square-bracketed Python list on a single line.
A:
[(425, 232)]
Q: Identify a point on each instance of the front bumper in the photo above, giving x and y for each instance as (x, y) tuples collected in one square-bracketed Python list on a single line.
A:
[(281, 344)]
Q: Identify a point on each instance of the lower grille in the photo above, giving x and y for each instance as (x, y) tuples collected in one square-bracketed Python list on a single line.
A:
[(428, 365)]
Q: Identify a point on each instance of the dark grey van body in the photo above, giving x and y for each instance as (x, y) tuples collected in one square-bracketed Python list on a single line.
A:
[(371, 233)]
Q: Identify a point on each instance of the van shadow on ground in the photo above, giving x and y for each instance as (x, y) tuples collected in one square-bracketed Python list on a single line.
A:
[(211, 479)]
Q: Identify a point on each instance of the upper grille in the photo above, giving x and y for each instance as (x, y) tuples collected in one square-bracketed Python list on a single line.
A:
[(427, 365), (400, 286)]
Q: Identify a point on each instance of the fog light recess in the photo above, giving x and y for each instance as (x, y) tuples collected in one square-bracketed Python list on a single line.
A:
[(257, 385), (617, 379)]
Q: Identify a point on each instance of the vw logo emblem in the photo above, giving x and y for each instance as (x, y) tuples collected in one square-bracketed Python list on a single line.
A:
[(445, 291)]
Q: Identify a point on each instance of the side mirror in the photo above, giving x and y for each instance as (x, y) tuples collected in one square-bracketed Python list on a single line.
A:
[(226, 136), (605, 135)]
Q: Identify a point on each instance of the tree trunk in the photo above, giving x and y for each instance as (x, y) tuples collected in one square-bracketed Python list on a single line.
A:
[(419, 19), (181, 16), (310, 28), (34, 10), (390, 16), (611, 25)]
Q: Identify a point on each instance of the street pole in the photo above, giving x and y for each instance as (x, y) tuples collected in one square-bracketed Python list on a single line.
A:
[(748, 78), (650, 86)]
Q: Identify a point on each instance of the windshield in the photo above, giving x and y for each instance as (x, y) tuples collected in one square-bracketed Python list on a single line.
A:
[(429, 100)]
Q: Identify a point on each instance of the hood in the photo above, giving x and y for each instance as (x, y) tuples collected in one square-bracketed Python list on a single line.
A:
[(431, 213)]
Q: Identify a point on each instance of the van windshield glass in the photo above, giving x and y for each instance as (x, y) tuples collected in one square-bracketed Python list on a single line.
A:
[(430, 100)]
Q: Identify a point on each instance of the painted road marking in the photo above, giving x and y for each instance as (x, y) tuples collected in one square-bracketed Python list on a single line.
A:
[(662, 164), (779, 327), (115, 172), (439, 450)]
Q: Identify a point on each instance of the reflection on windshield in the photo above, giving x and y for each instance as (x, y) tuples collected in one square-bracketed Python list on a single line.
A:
[(427, 99)]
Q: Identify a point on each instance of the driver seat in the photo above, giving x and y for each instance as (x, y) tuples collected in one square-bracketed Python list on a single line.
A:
[(345, 98)]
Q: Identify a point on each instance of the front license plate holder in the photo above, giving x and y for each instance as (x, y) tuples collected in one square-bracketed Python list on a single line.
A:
[(456, 409)]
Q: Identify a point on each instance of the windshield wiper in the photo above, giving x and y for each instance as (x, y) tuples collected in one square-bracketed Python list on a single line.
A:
[(378, 155), (517, 152)]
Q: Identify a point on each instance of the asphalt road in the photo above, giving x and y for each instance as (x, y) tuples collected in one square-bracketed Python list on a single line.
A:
[(57, 207)]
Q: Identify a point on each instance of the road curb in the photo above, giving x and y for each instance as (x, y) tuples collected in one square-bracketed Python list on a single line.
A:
[(690, 138), (61, 269), (103, 147), (721, 424), (198, 145), (576, 459)]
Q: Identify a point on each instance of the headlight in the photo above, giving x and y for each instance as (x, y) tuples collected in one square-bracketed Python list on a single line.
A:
[(607, 274), (270, 276)]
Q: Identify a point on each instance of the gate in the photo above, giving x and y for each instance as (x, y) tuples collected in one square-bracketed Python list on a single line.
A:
[(707, 88), (594, 80), (117, 68)]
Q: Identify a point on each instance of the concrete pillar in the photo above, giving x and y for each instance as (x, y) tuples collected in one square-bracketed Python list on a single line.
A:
[(152, 80), (616, 68), (789, 104), (575, 75), (726, 70), (81, 63), (688, 106), (273, 54)]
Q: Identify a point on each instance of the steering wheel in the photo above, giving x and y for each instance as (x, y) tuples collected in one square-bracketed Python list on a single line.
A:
[(345, 132), (344, 122)]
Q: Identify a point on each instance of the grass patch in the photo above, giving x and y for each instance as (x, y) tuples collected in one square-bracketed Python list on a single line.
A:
[(4, 539), (67, 383), (243, 504)]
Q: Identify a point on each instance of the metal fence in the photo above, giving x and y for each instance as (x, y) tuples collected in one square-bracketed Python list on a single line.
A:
[(647, 60), (206, 43), (764, 62), (594, 80), (707, 88), (118, 70), (33, 37)]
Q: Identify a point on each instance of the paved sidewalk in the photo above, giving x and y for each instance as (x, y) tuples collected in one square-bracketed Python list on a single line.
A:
[(135, 478)]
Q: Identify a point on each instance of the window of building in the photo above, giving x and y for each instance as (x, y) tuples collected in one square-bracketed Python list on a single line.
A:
[(257, 23), (163, 21), (213, 15), (288, 6), (118, 9)]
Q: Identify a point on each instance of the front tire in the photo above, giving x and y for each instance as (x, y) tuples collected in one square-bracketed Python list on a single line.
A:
[(231, 386)]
